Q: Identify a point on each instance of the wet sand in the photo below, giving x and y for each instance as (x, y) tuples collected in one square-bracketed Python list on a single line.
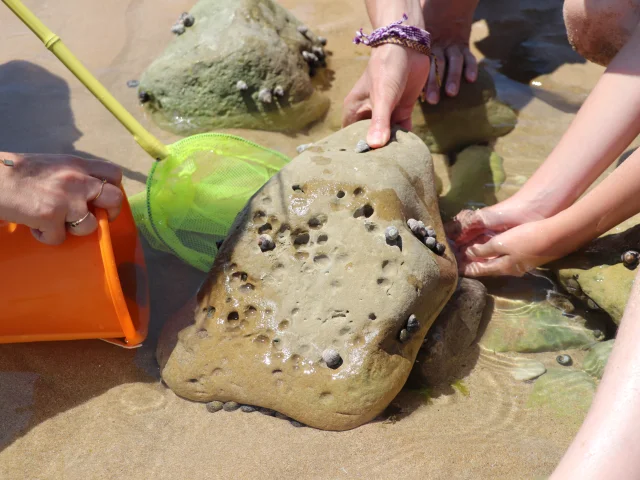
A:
[(91, 410)]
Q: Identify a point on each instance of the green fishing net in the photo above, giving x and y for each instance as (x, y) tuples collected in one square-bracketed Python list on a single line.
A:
[(193, 196)]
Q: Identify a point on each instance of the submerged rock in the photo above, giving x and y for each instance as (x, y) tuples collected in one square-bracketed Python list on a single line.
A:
[(526, 369), (596, 274), (567, 393), (473, 116), (596, 360), (193, 85), (476, 176), (518, 326), (331, 288), (450, 337)]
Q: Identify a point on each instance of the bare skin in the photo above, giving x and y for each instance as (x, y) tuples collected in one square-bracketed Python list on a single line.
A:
[(396, 75), (48, 192)]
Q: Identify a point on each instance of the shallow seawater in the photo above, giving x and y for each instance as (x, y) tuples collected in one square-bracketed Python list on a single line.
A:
[(90, 410)]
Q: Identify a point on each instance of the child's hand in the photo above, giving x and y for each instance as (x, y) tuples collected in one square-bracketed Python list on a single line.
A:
[(514, 252)]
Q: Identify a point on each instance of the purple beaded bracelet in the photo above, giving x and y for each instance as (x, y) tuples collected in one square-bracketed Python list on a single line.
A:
[(412, 37), (405, 35)]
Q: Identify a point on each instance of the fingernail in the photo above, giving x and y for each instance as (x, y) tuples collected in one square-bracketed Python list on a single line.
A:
[(451, 88), (472, 76), (433, 98), (375, 139)]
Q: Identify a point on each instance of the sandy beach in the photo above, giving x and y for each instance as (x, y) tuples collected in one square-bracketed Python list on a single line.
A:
[(91, 410)]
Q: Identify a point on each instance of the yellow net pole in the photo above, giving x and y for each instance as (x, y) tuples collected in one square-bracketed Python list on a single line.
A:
[(147, 141)]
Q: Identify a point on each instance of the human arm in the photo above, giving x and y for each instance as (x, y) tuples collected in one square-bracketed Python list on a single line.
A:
[(47, 192), (532, 244), (396, 75), (605, 125)]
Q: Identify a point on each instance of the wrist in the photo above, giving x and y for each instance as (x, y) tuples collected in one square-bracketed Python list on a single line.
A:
[(384, 13)]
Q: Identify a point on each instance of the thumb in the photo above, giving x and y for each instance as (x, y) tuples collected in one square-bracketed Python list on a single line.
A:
[(380, 129), (483, 250)]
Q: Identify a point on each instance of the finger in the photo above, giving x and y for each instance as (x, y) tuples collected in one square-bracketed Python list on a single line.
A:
[(81, 224), (405, 124), (354, 102), (489, 249), (470, 65), (435, 74), (111, 200), (455, 61), (380, 128), (102, 169), (493, 267), (51, 235), (464, 226)]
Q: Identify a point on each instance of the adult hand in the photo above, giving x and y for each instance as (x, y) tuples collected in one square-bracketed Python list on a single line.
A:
[(387, 91), (449, 22), (49, 192), (514, 252)]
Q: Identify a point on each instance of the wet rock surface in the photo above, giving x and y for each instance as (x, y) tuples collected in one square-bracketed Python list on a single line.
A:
[(596, 360), (452, 334), (596, 273), (269, 326), (518, 326), (473, 116), (239, 65)]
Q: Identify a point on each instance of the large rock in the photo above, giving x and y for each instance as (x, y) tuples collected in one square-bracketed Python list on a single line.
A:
[(442, 356), (473, 116), (595, 273), (192, 86), (313, 328), (476, 176), (526, 327)]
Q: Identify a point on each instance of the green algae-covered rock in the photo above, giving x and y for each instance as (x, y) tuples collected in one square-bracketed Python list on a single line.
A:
[(473, 116), (518, 326), (595, 274), (476, 177), (566, 392), (596, 360), (193, 85)]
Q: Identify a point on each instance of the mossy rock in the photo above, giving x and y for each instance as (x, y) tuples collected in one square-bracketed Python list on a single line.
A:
[(596, 360), (473, 116), (192, 86)]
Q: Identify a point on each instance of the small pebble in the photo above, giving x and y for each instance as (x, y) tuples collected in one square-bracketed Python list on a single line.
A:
[(564, 360), (412, 324), (242, 85), (265, 95), (278, 91), (143, 96), (215, 406), (132, 83), (598, 333), (265, 242), (391, 233), (248, 408), (318, 52), (362, 146), (430, 242), (230, 406), (281, 416), (332, 359), (296, 423), (322, 40), (431, 232), (404, 335), (310, 57), (630, 259), (187, 19), (178, 29), (303, 29), (440, 248), (303, 147), (412, 223), (267, 411)]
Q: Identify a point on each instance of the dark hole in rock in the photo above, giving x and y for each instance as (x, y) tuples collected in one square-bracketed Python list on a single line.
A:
[(365, 211), (340, 194), (301, 238), (322, 238), (193, 380), (358, 191), (297, 188), (343, 149), (259, 214), (247, 287), (372, 316), (233, 316), (265, 228), (315, 223)]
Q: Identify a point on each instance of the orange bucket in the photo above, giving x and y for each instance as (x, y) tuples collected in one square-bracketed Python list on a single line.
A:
[(88, 287)]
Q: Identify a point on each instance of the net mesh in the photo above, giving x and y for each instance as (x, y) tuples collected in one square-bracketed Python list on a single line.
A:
[(193, 196)]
